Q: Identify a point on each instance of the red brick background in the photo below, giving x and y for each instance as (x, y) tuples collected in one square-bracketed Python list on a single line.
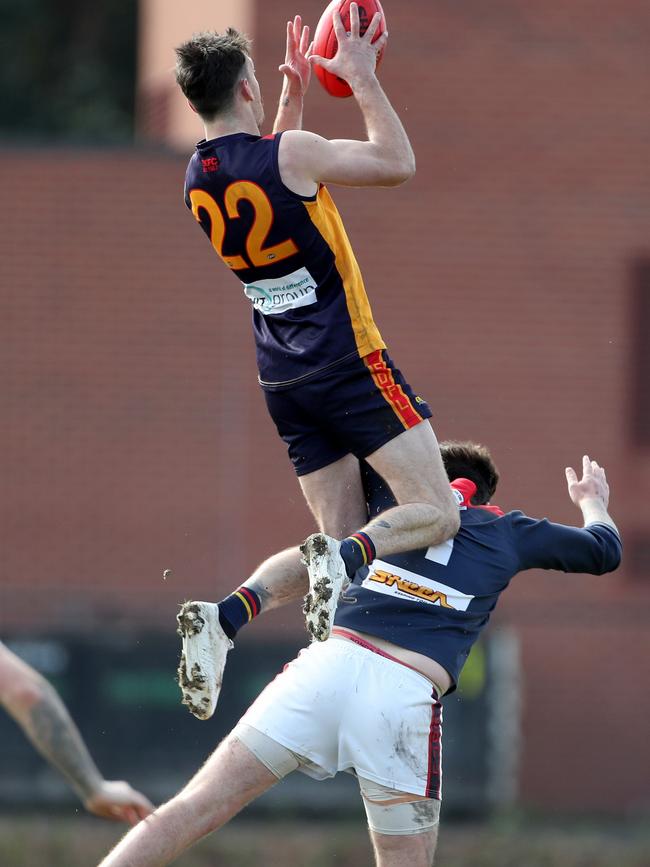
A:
[(134, 438)]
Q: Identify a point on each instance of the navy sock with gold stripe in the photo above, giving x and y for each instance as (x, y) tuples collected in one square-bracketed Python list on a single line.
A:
[(357, 550), (238, 609)]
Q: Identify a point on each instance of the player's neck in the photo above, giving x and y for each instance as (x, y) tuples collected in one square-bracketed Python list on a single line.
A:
[(230, 124)]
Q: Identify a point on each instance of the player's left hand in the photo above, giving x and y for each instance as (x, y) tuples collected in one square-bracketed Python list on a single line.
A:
[(356, 56), (296, 67), (592, 486), (116, 800)]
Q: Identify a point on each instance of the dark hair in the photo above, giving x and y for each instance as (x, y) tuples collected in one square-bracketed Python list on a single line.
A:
[(208, 66), (471, 461)]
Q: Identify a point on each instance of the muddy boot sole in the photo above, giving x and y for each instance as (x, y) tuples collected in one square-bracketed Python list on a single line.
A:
[(203, 656), (327, 579)]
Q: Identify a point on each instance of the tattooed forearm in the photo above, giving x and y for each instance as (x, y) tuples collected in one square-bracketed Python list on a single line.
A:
[(56, 737), (289, 113), (385, 524)]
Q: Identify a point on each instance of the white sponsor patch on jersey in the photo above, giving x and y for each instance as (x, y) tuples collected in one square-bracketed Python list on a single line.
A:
[(395, 581), (280, 294)]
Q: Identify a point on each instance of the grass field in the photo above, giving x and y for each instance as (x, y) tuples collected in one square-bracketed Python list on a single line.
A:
[(81, 842)]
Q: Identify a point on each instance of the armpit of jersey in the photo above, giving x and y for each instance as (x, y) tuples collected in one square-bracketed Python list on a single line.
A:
[(402, 584)]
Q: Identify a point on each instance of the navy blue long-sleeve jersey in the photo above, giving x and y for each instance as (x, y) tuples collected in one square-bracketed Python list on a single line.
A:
[(437, 601)]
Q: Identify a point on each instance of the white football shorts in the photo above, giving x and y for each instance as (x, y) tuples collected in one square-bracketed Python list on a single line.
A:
[(341, 705)]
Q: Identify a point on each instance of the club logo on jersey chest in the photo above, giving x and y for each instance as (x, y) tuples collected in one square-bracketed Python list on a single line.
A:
[(211, 164)]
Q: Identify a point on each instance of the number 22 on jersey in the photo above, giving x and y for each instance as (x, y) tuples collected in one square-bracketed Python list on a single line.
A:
[(258, 254)]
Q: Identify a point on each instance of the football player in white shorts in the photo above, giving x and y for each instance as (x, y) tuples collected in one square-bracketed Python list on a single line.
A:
[(367, 700)]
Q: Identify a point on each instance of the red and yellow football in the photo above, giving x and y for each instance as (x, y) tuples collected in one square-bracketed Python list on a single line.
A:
[(325, 42)]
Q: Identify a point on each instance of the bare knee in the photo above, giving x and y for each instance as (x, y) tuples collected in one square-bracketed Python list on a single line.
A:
[(441, 497), (450, 522), (342, 522), (443, 523)]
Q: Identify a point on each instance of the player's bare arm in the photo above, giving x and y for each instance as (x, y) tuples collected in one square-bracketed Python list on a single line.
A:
[(296, 70), (591, 493), (40, 712), (385, 158)]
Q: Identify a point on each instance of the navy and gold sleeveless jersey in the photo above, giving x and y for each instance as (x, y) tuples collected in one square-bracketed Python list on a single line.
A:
[(291, 253)]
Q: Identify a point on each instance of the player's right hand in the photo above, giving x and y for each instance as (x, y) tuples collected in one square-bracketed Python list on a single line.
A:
[(356, 57), (296, 66), (116, 800), (592, 485)]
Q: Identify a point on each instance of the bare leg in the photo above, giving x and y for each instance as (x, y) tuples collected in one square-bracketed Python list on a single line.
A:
[(206, 628), (426, 513), (230, 778), (280, 579), (411, 464), (336, 497), (416, 850)]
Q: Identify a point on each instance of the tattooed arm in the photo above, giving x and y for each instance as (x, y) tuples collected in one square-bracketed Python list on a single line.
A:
[(40, 712)]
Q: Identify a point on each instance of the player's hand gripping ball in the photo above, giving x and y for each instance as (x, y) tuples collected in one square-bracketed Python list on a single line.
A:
[(326, 45)]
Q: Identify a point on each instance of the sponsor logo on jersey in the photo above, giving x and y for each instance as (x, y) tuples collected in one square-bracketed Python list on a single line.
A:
[(395, 581), (279, 294)]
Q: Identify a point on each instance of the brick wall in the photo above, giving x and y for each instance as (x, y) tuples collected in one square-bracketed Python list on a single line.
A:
[(134, 438)]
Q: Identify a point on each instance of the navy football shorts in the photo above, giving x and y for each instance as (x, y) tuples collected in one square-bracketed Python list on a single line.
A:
[(354, 407)]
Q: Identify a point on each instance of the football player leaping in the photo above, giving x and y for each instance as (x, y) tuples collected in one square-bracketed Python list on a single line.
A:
[(331, 388)]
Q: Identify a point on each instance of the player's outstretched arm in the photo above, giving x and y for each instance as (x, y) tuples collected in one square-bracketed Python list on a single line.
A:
[(296, 70), (386, 158), (594, 549), (40, 712), (591, 493)]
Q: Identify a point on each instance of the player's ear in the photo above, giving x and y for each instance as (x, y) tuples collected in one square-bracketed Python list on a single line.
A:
[(246, 90), (193, 107)]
